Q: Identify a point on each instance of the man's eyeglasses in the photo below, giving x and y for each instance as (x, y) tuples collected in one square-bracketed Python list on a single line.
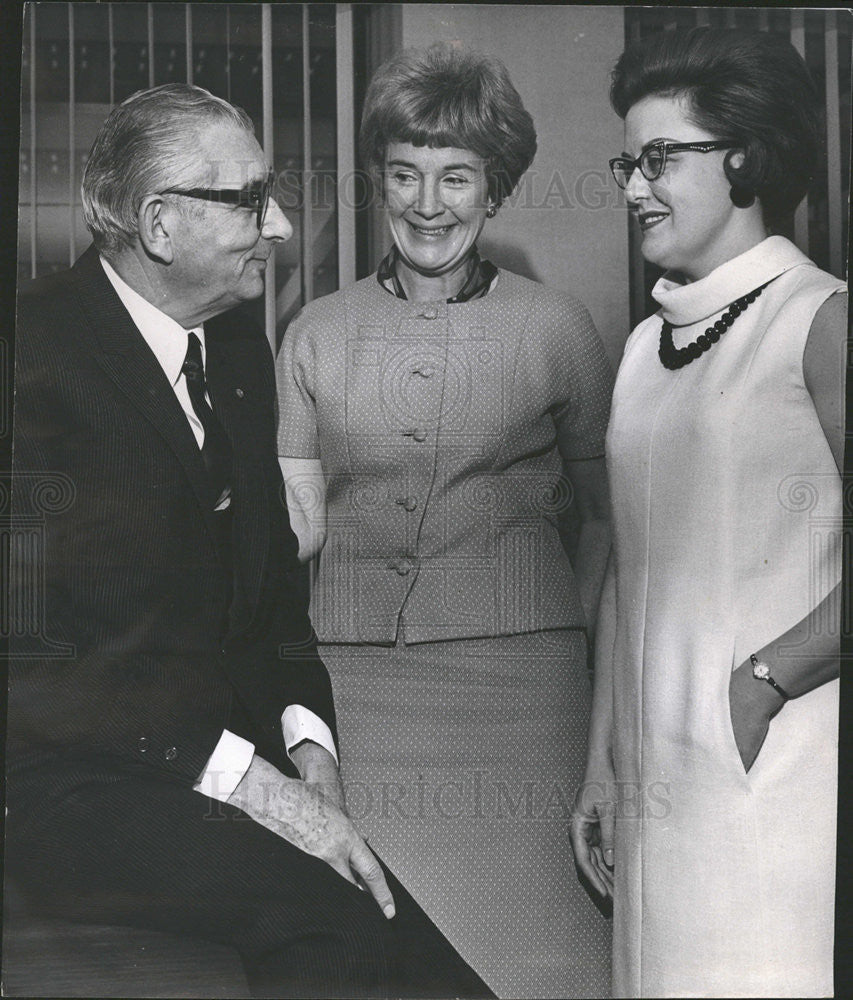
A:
[(254, 196), (652, 160)]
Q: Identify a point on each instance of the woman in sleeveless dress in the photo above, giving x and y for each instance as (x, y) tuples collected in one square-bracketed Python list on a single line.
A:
[(435, 419), (713, 747)]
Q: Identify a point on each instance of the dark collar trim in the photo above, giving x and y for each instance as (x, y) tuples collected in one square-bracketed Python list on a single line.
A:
[(479, 281)]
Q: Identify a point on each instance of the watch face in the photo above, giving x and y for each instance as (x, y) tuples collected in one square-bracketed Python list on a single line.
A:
[(761, 671)]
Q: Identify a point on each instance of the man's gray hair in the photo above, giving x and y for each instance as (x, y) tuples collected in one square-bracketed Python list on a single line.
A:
[(147, 144)]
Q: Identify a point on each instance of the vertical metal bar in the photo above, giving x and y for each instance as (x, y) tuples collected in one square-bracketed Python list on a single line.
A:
[(111, 43), (833, 141), (31, 9), (801, 216), (635, 241), (72, 139), (346, 188), (188, 29), (731, 19), (703, 17), (763, 19), (269, 152), (228, 52), (306, 227), (151, 45)]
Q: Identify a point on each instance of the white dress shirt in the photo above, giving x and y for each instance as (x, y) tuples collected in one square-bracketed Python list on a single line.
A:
[(168, 342)]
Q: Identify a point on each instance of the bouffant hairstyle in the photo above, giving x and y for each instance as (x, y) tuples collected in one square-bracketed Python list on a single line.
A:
[(751, 87), (445, 96)]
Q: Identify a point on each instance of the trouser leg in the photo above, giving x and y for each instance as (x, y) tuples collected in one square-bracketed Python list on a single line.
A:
[(130, 850)]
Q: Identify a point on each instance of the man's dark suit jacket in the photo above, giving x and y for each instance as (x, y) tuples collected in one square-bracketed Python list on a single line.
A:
[(131, 576)]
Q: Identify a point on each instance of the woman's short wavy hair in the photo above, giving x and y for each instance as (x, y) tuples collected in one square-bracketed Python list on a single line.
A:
[(446, 96), (752, 87), (148, 143)]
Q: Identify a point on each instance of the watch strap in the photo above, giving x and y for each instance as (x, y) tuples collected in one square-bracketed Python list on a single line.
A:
[(762, 672)]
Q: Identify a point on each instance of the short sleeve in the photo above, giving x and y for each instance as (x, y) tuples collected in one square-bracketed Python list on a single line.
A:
[(295, 379), (581, 379)]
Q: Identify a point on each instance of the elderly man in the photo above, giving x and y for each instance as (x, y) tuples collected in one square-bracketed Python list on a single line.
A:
[(172, 757)]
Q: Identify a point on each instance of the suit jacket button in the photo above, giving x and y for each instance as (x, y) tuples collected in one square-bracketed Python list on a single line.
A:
[(142, 744), (171, 753), (420, 435), (430, 312), (239, 393)]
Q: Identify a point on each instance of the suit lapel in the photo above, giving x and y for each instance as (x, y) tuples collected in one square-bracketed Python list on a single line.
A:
[(122, 353)]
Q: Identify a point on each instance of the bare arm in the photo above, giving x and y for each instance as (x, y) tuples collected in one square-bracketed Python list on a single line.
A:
[(753, 703), (592, 821), (824, 365), (589, 484), (305, 485)]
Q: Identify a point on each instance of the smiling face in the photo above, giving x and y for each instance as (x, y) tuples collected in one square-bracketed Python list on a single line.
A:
[(436, 202), (687, 218), (220, 256)]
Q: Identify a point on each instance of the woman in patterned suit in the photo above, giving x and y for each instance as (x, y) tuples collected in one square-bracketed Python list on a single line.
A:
[(436, 419)]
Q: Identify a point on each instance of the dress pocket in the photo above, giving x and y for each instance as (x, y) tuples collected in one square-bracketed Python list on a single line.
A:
[(729, 726)]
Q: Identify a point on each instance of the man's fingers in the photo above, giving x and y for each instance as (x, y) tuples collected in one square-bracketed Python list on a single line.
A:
[(342, 868), (363, 862)]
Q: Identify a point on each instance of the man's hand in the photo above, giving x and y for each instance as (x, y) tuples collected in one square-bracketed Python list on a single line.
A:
[(318, 767), (302, 813), (592, 827)]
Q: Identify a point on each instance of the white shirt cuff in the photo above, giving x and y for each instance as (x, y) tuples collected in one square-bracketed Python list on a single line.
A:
[(299, 723), (226, 766)]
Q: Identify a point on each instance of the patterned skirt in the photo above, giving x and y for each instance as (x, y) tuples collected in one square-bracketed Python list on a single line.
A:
[(460, 761)]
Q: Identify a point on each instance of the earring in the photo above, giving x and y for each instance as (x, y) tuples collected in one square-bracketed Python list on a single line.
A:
[(741, 197), (491, 211)]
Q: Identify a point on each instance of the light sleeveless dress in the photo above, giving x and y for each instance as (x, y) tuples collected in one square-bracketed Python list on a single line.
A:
[(727, 528)]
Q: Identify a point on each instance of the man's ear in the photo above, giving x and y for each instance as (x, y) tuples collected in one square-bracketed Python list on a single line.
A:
[(153, 225)]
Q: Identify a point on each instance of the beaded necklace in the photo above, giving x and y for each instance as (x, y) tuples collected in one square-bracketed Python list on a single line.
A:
[(673, 357)]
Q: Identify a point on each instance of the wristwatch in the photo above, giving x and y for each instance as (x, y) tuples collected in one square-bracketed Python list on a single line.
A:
[(761, 672)]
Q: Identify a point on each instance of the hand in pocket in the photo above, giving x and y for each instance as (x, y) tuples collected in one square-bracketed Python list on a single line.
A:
[(751, 708)]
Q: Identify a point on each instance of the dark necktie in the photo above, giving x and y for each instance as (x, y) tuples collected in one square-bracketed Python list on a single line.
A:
[(216, 450)]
